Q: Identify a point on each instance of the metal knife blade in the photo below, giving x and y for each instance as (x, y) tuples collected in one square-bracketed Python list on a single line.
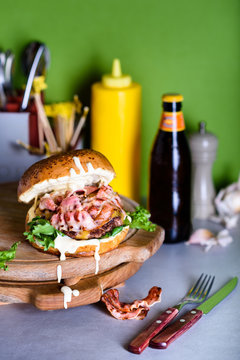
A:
[(185, 322)]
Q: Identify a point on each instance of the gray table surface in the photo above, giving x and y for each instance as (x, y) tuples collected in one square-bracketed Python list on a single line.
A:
[(89, 332)]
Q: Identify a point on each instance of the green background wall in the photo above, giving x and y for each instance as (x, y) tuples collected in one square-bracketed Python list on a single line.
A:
[(187, 46)]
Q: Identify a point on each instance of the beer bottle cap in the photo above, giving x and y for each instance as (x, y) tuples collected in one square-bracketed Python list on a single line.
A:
[(172, 98)]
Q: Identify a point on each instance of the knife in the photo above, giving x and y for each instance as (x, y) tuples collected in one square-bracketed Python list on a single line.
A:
[(180, 326)]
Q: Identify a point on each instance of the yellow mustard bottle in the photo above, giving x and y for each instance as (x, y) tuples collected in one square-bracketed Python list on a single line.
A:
[(115, 127)]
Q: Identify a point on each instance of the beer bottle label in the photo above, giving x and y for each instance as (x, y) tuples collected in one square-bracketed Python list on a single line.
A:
[(172, 121)]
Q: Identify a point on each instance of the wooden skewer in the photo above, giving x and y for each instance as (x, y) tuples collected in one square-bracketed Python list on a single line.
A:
[(60, 131), (32, 149), (70, 127), (79, 127), (40, 135), (45, 124)]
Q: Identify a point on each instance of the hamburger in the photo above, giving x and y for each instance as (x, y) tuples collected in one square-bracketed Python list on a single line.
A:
[(75, 212)]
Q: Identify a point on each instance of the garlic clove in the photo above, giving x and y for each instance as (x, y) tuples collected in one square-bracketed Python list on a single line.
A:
[(200, 236)]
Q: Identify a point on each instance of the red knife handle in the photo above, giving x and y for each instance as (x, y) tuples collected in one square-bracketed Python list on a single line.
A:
[(172, 332), (138, 344)]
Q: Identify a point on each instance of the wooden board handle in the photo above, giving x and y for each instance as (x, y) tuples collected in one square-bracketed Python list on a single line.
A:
[(140, 343), (179, 327)]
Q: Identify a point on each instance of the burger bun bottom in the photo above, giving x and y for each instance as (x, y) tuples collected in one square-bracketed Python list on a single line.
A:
[(89, 250)]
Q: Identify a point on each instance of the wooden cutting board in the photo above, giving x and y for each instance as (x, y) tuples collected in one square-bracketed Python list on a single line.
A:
[(32, 275)]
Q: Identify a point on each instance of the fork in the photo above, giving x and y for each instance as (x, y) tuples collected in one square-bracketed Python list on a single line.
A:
[(198, 293)]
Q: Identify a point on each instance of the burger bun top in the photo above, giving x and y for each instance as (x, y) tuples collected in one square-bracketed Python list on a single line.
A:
[(72, 170)]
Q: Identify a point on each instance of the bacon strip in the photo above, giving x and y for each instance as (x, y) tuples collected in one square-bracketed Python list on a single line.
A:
[(135, 310), (89, 212), (47, 203)]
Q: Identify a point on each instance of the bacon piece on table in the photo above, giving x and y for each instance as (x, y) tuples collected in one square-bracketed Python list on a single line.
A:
[(135, 310)]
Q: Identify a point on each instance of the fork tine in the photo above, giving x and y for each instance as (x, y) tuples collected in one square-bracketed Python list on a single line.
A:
[(209, 288), (198, 291), (191, 291), (202, 294)]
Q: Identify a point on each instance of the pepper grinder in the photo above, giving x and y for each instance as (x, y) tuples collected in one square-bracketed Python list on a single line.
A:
[(203, 147)]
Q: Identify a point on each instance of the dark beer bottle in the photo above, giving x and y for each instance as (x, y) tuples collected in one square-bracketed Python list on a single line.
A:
[(170, 173)]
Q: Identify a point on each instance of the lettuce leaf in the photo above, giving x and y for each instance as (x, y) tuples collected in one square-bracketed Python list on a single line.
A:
[(8, 255), (139, 219), (114, 232), (43, 231)]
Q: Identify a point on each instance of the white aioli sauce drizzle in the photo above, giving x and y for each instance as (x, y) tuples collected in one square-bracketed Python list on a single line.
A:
[(90, 167), (72, 172), (67, 293), (129, 218), (79, 165), (65, 244), (59, 273), (97, 257)]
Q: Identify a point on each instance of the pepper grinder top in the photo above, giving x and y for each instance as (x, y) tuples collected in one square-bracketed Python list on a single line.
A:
[(203, 150)]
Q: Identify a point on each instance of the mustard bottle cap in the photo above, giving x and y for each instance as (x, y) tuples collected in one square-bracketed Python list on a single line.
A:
[(116, 79)]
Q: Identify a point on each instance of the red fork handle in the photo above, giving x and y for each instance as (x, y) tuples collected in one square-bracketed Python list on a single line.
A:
[(138, 344), (179, 327)]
